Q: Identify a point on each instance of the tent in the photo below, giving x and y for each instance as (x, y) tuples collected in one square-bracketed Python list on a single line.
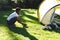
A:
[(46, 11)]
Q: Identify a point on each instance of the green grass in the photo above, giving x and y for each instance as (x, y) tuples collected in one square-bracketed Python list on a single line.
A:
[(33, 32)]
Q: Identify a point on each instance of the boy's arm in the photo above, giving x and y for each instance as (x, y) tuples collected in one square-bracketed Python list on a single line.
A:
[(19, 20)]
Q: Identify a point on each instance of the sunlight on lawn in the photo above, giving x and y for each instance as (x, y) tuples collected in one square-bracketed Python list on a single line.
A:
[(4, 35), (5, 16), (33, 32)]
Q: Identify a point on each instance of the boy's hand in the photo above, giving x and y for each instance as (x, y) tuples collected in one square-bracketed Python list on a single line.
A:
[(24, 24)]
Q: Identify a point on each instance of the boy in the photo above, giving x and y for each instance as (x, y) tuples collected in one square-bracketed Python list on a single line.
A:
[(12, 18)]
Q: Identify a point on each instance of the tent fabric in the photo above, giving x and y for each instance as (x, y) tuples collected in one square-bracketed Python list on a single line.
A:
[(46, 10), (47, 17)]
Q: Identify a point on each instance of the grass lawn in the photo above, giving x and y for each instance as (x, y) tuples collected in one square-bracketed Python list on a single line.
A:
[(33, 32)]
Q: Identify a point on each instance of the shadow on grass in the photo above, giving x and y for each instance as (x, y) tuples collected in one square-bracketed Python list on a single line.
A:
[(29, 12), (3, 16), (55, 30), (35, 20), (22, 31)]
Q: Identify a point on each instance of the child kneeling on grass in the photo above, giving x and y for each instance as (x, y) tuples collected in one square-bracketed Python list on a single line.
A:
[(12, 18)]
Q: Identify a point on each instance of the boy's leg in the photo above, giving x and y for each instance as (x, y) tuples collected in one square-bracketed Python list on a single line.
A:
[(11, 22)]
